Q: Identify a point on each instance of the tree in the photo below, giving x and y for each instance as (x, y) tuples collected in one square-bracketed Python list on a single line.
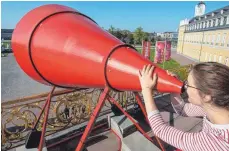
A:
[(118, 34), (111, 30), (130, 38), (146, 36), (153, 40), (139, 35)]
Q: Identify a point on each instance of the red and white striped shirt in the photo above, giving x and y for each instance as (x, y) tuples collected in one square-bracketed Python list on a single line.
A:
[(213, 137)]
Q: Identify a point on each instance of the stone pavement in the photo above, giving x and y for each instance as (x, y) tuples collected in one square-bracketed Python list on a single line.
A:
[(16, 83), (108, 141), (183, 60)]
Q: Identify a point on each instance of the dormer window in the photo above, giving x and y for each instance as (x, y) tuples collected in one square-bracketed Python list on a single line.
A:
[(213, 23), (213, 14), (209, 25), (222, 11), (224, 20), (219, 21)]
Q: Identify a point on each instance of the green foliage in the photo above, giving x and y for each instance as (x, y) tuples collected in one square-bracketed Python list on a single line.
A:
[(139, 35), (124, 35)]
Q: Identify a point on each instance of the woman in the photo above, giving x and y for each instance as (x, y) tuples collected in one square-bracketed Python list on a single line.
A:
[(208, 90)]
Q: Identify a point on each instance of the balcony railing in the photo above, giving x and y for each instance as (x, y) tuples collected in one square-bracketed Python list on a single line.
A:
[(68, 108)]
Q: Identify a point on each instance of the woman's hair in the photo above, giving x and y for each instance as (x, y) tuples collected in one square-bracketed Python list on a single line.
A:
[(212, 78)]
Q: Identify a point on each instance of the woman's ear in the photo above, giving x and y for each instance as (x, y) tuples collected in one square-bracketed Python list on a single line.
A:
[(207, 98)]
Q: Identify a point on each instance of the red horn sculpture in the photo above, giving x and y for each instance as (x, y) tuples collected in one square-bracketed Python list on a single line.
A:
[(57, 45)]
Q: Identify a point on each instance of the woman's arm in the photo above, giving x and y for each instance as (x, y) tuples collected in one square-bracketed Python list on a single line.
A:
[(185, 109), (179, 139), (169, 134)]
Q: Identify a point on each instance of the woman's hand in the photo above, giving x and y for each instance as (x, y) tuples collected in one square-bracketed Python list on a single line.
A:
[(145, 77)]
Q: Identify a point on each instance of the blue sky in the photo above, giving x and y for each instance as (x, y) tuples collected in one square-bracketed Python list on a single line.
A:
[(151, 16)]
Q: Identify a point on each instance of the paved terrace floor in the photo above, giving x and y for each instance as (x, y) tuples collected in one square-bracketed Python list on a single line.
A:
[(105, 141), (181, 59)]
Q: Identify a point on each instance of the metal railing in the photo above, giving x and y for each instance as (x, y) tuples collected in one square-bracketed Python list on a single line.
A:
[(68, 108)]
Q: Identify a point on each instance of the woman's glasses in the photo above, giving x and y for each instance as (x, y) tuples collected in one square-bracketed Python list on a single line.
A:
[(186, 85)]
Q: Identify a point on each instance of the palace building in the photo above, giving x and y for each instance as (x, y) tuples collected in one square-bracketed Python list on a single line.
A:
[(206, 36)]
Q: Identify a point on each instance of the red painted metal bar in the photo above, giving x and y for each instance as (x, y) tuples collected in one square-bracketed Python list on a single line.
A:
[(47, 104), (139, 101), (75, 135), (93, 117), (112, 100), (119, 140)]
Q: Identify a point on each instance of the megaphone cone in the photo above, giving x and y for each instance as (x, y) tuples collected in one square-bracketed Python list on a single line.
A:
[(59, 46)]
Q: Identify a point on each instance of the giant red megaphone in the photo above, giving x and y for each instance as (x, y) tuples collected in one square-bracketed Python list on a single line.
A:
[(58, 45)]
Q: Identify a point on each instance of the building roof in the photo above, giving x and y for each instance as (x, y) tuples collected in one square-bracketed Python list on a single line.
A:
[(201, 2), (6, 34), (217, 13), (7, 31)]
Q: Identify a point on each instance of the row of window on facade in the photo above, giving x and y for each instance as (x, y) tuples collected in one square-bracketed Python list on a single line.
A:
[(217, 39), (216, 22), (211, 57)]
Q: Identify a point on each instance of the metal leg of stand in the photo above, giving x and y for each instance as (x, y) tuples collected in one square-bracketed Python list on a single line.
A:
[(139, 101), (112, 100), (91, 122), (48, 102)]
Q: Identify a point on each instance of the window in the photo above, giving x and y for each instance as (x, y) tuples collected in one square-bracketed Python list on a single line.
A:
[(210, 57), (206, 56), (213, 39), (205, 39), (224, 20), (214, 58), (218, 40), (219, 20), (228, 43), (208, 39), (202, 24), (223, 39), (205, 24), (227, 61), (210, 23), (220, 59), (227, 19), (213, 23)]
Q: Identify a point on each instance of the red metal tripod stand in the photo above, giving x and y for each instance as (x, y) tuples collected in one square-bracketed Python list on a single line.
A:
[(102, 99), (104, 96)]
